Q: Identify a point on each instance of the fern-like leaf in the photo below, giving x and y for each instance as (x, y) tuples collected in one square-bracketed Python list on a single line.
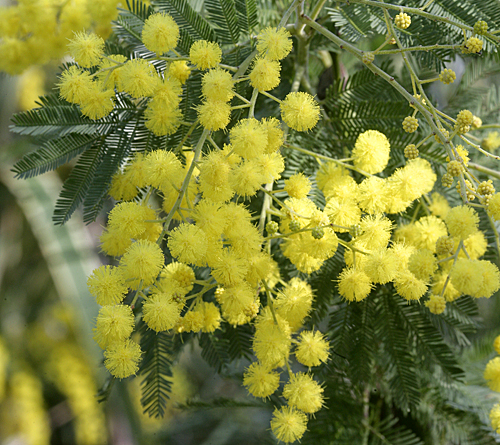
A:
[(222, 14)]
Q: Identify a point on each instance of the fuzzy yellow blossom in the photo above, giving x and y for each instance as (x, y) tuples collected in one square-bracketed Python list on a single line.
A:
[(162, 119), (494, 206), (179, 70), (490, 280), (495, 418), (113, 323), (177, 278), (436, 304), (163, 168), (271, 341), (168, 92), (142, 261), (450, 293), (265, 74), (303, 393), (246, 179), (75, 84), (288, 424), (122, 188), (381, 266), (274, 44), (492, 374), (462, 221), (211, 318), (275, 135), (375, 231), (209, 217), (413, 180), (297, 186), (110, 70), (192, 321), (329, 172), (409, 286), (422, 264), (107, 285), (86, 49), (354, 284), (217, 85), (312, 349), (294, 302), (496, 344), (138, 78), (439, 205), (215, 171), (403, 253), (371, 151), (188, 244), (427, 231), (130, 218), (122, 358), (229, 269), (161, 312), (214, 115), (260, 380), (160, 33), (205, 54), (237, 303), (373, 195), (342, 213), (270, 166), (466, 276), (248, 138), (300, 111), (345, 188)]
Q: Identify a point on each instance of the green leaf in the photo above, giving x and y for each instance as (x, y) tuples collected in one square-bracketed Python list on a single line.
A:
[(53, 154), (247, 15), (156, 368), (78, 183), (222, 13), (215, 351)]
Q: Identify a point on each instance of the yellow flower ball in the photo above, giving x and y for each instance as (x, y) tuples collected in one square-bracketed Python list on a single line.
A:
[(371, 151), (274, 44), (205, 54), (288, 424), (160, 33), (303, 393), (300, 111), (265, 74), (354, 284), (462, 221), (261, 381), (122, 358), (86, 49)]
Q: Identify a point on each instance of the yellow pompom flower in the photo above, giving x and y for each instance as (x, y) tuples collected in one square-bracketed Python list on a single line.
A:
[(265, 74), (462, 221), (122, 358), (162, 119), (205, 54), (107, 285), (179, 70), (237, 303), (211, 316), (113, 323), (297, 186), (246, 179), (248, 138), (260, 380), (209, 217), (114, 242), (288, 424), (494, 206), (300, 111), (427, 230), (490, 280), (450, 293), (163, 169), (142, 261), (191, 322), (381, 266), (371, 151), (495, 418), (422, 264), (138, 78), (168, 91), (122, 188), (214, 115), (312, 349), (343, 213), (466, 275), (75, 84), (496, 344), (294, 302), (303, 393), (98, 103), (177, 278), (270, 166), (217, 85), (161, 312), (373, 195), (436, 304), (86, 49), (275, 135), (271, 341), (439, 205), (492, 374), (188, 244), (215, 171), (409, 286), (354, 284), (375, 231), (129, 218), (160, 33), (274, 44), (229, 269)]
